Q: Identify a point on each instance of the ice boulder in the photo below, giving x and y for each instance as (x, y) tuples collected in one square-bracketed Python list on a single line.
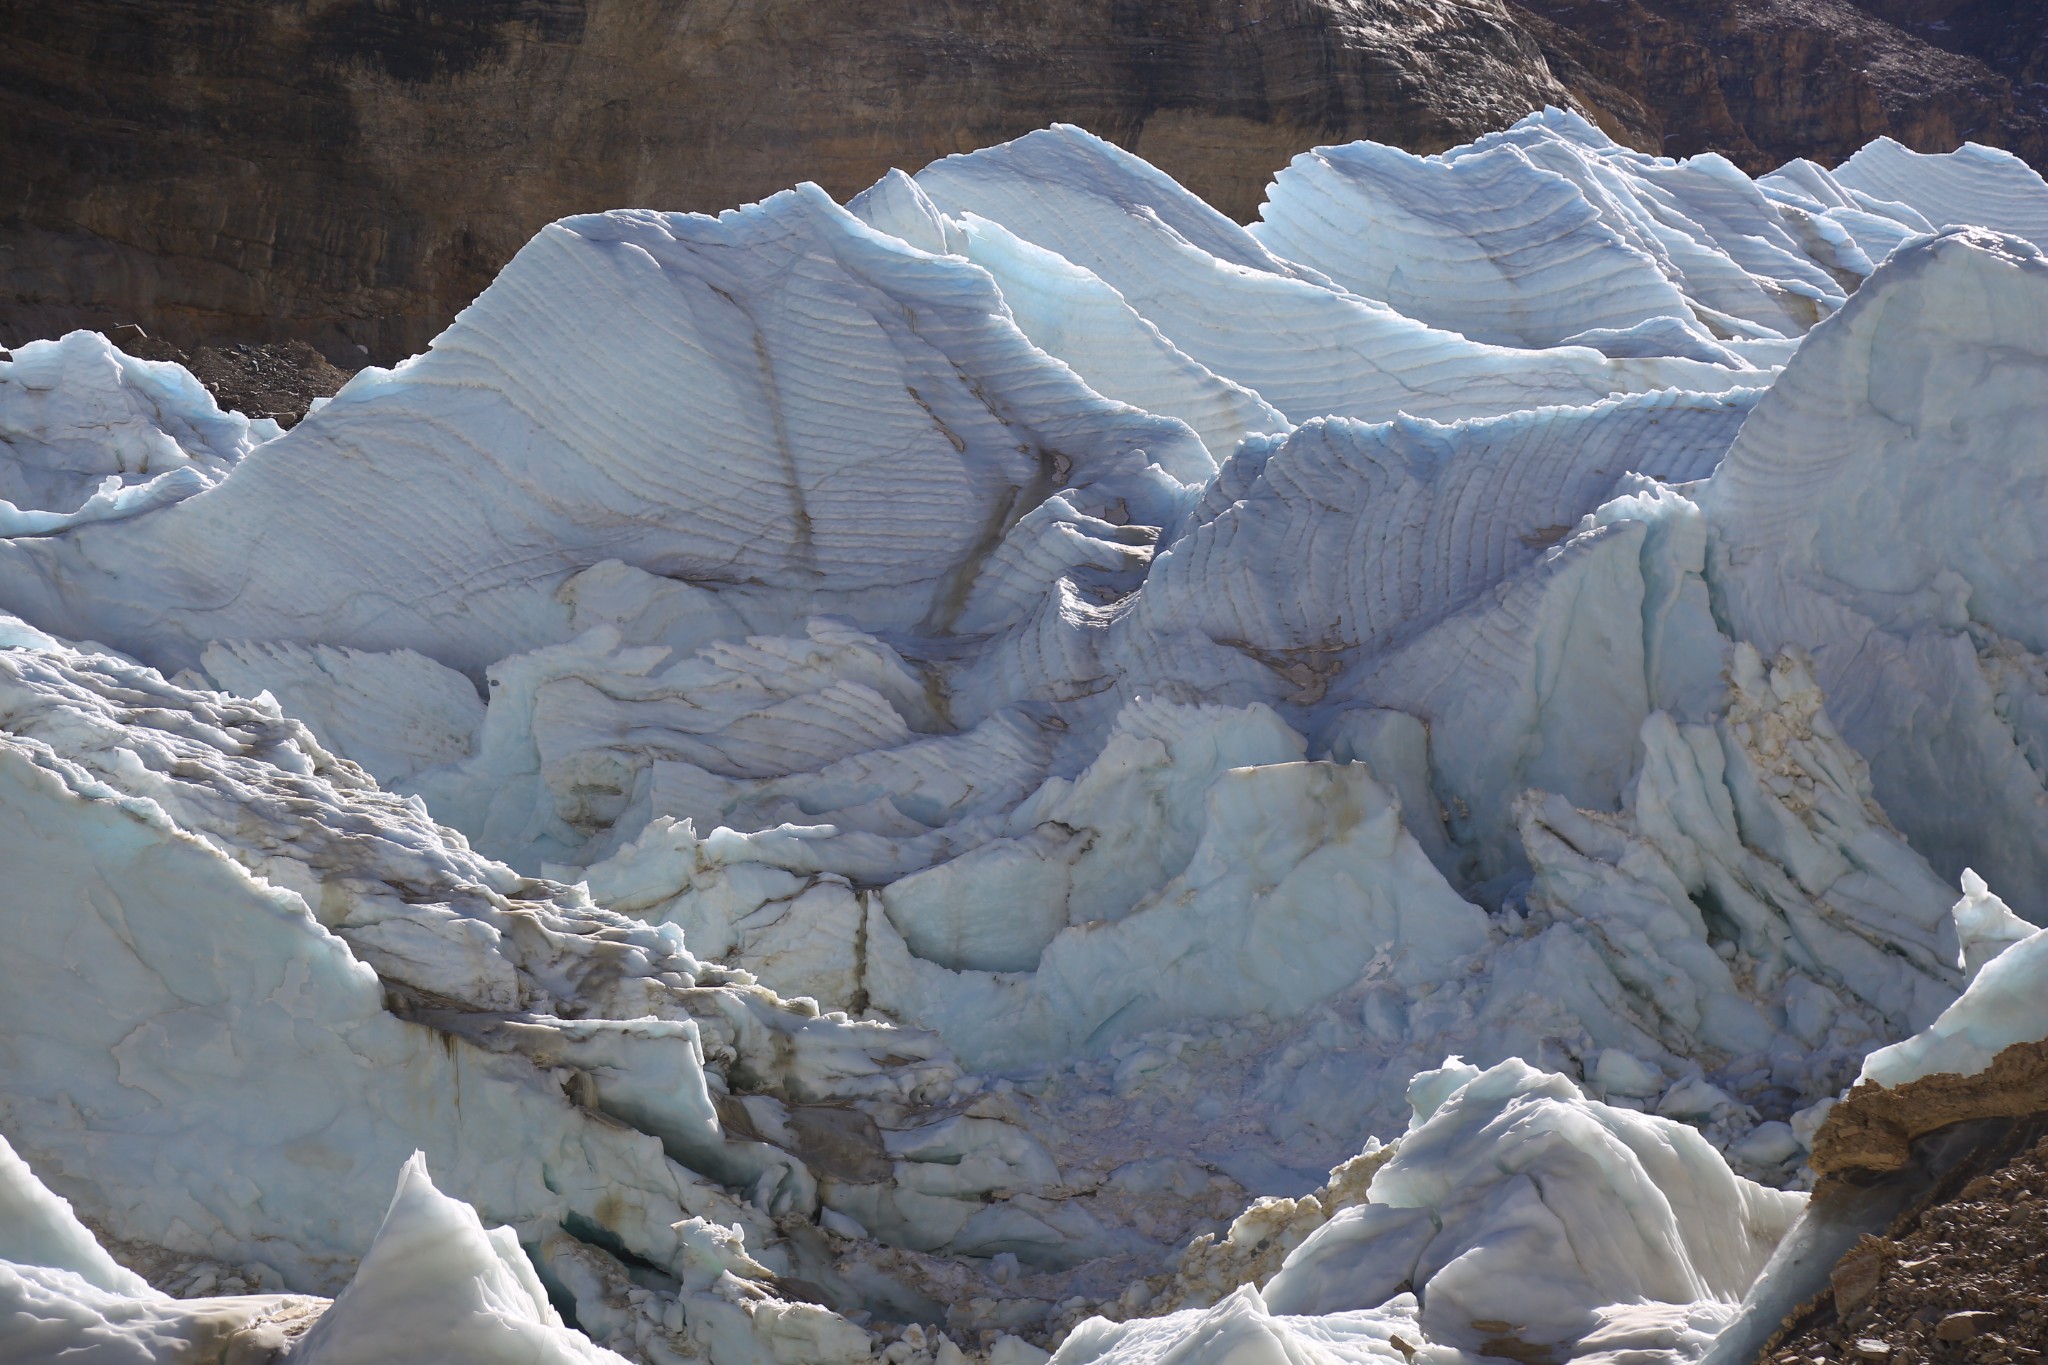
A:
[(1515, 1210), (1515, 1218)]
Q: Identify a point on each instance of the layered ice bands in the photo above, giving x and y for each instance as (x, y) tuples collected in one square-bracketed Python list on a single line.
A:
[(779, 401), (900, 781)]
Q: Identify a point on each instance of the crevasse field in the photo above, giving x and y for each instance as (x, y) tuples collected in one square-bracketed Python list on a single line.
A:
[(1013, 764)]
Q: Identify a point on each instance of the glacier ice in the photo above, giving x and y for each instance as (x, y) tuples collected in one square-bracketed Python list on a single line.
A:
[(1977, 185), (1837, 516), (1489, 245), (1514, 1218), (41, 1230), (88, 433), (897, 782), (434, 1284), (1278, 328), (2003, 1005)]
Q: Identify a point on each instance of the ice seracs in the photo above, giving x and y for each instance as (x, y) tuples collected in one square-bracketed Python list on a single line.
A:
[(899, 781), (1976, 185), (434, 1284), (2003, 1006), (1835, 527), (794, 406), (1272, 326), (1488, 245)]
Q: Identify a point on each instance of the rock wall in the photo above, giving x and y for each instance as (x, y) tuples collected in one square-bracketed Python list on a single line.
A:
[(1763, 81)]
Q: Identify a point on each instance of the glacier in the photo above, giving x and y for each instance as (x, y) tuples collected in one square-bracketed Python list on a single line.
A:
[(1016, 768)]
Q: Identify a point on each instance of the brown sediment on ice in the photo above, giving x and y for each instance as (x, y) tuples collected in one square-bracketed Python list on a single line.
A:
[(1873, 1129)]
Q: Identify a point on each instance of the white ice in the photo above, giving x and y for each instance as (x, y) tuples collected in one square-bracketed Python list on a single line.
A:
[(88, 434), (2006, 1003), (1515, 1216), (433, 1285)]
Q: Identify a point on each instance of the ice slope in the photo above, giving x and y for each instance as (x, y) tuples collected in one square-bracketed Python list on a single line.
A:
[(276, 1058), (174, 1003), (1488, 245), (1849, 232), (1978, 185), (861, 777), (1744, 267), (1072, 315), (171, 1005), (2003, 1005), (1385, 529)]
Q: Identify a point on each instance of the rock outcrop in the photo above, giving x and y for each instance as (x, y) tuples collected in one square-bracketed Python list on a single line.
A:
[(1955, 1276), (1763, 81)]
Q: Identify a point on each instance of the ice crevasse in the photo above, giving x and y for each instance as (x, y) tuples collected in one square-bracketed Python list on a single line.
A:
[(1015, 766)]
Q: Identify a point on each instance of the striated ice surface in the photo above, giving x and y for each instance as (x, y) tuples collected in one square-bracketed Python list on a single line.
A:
[(1015, 766), (1977, 185)]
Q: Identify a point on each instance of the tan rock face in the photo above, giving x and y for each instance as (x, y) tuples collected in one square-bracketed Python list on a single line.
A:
[(354, 171), (1763, 81)]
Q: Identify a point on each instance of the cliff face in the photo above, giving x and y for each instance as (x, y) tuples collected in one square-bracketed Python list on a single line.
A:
[(354, 171), (1763, 81), (351, 172)]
